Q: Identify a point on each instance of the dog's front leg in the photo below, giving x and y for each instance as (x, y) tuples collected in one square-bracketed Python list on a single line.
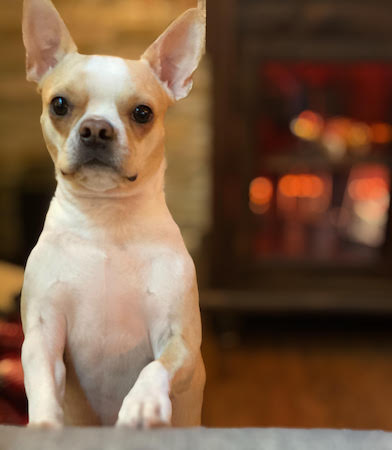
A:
[(173, 316), (148, 404), (43, 366)]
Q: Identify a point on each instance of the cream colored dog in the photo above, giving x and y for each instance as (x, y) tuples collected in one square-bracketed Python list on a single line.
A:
[(110, 303)]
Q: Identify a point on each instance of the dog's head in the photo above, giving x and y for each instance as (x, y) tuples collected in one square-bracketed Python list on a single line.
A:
[(103, 116)]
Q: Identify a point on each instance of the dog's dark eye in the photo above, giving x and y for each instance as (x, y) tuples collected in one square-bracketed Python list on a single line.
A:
[(60, 106), (142, 114)]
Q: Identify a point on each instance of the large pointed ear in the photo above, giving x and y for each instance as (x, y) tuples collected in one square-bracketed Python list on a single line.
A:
[(175, 55), (45, 36)]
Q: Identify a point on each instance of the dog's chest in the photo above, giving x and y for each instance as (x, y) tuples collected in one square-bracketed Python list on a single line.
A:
[(117, 296), (109, 292)]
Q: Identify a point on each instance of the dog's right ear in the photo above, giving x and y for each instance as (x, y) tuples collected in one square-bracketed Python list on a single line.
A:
[(45, 36), (175, 55)]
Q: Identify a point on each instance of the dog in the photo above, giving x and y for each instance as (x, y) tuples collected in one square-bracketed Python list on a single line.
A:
[(110, 306)]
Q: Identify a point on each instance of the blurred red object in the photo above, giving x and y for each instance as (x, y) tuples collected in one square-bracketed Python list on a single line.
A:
[(9, 415), (11, 336), (13, 402), (11, 376)]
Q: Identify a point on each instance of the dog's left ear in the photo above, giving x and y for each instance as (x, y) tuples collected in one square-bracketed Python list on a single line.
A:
[(45, 36), (176, 54)]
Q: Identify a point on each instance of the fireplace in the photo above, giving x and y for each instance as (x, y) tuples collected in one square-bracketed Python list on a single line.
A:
[(323, 137), (302, 162)]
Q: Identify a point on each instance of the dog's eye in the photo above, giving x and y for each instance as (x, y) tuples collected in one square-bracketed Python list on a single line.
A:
[(142, 114), (60, 106)]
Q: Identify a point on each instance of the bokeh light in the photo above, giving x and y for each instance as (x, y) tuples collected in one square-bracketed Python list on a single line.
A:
[(308, 126), (301, 186), (381, 133), (364, 189), (261, 191)]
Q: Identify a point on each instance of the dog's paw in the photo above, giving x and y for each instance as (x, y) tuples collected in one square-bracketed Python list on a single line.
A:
[(148, 404), (45, 425), (152, 411)]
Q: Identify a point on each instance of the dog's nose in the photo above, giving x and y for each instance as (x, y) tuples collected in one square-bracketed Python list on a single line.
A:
[(96, 132)]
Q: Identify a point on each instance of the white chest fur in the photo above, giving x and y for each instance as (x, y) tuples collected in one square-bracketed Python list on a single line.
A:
[(114, 296), (108, 340)]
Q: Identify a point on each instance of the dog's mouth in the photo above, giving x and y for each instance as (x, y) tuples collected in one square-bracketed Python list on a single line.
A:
[(95, 162), (98, 164)]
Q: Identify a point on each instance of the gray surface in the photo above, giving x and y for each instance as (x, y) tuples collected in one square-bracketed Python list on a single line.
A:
[(12, 438)]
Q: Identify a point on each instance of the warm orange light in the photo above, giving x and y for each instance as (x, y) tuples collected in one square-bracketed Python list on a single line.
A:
[(365, 189), (289, 185), (259, 209), (308, 125), (261, 191), (301, 186), (311, 116), (381, 133), (316, 187), (339, 125), (359, 135)]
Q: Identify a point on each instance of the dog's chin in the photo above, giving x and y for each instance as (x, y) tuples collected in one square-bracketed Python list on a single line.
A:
[(95, 177), (98, 178)]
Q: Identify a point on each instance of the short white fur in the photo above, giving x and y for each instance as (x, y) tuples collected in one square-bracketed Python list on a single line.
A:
[(110, 303)]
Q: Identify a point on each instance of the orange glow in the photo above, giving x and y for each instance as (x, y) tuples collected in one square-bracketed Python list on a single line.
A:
[(365, 189), (289, 185), (259, 209), (359, 134), (301, 186), (339, 125), (308, 125), (261, 191), (381, 133)]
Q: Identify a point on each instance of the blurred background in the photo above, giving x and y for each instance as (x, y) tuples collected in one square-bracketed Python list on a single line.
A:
[(280, 179)]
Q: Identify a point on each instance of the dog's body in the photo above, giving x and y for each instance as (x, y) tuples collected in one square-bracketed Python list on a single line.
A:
[(110, 302)]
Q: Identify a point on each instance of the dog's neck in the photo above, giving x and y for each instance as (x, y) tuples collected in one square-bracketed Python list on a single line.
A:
[(109, 214)]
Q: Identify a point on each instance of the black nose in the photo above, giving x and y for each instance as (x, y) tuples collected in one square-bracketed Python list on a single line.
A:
[(96, 132)]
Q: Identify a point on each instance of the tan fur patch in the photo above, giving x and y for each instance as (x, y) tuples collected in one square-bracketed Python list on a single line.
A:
[(110, 88)]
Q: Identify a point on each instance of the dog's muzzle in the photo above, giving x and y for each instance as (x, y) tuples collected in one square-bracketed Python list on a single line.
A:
[(96, 133), (96, 138), (97, 148)]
